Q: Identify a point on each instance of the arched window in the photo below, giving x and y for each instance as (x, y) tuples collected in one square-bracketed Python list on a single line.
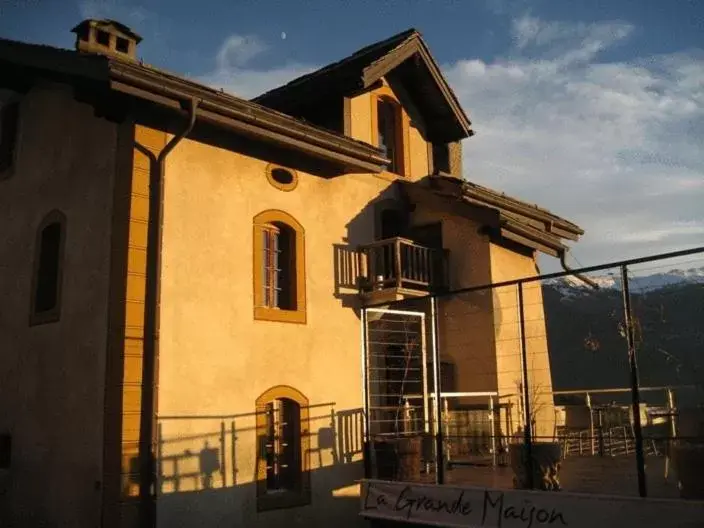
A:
[(48, 269), (389, 132), (279, 273), (283, 478), (9, 120)]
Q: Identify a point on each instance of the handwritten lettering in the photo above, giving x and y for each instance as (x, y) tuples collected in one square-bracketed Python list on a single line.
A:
[(527, 513), (497, 509), (408, 503)]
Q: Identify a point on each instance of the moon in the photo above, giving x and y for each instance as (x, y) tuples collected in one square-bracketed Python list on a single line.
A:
[(283, 35)]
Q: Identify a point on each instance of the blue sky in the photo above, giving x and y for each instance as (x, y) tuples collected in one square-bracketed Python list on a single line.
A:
[(593, 109)]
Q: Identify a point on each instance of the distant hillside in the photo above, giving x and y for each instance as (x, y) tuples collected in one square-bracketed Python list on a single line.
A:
[(587, 346)]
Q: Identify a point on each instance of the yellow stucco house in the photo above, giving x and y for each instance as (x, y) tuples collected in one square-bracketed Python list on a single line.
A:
[(182, 273)]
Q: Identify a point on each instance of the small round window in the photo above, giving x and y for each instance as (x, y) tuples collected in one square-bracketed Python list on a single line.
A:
[(283, 179)]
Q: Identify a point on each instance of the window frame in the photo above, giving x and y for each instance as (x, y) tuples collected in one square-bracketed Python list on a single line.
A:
[(402, 160), (54, 313), (300, 495), (262, 222)]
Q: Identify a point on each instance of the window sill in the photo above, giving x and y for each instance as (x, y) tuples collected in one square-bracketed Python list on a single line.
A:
[(262, 313), (7, 172), (51, 316), (277, 500)]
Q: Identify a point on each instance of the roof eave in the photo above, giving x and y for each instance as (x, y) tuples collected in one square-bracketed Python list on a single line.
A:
[(555, 223), (245, 117)]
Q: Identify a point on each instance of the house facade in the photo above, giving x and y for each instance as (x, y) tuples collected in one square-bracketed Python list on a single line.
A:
[(184, 273)]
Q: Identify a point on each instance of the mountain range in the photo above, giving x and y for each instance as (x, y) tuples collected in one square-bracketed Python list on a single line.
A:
[(637, 283), (587, 342)]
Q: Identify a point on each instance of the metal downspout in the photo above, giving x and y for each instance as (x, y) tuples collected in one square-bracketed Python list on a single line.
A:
[(586, 280), (147, 462)]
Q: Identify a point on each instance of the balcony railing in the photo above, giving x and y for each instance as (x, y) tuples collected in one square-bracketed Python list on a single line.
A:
[(400, 263)]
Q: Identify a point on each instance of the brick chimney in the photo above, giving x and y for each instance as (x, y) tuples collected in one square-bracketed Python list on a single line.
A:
[(106, 37)]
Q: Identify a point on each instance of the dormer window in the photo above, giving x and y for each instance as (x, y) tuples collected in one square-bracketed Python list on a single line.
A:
[(389, 132)]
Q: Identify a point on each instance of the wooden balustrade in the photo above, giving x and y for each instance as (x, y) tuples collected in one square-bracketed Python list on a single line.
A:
[(400, 263)]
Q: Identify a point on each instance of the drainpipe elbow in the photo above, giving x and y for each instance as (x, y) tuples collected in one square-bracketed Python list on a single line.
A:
[(585, 280)]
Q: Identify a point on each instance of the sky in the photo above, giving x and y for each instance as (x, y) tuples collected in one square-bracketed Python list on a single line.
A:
[(592, 109)]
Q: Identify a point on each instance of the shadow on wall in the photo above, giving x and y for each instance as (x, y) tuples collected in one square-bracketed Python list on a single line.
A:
[(368, 225), (217, 476)]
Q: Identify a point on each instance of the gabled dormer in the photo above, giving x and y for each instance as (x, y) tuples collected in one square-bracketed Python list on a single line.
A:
[(383, 94), (106, 37)]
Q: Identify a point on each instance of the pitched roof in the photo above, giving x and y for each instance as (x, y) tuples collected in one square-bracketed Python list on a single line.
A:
[(405, 57), (516, 220), (216, 107)]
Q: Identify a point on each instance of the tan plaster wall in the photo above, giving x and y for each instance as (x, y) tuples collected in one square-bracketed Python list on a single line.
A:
[(507, 265), (215, 359), (465, 320), (52, 375), (363, 106)]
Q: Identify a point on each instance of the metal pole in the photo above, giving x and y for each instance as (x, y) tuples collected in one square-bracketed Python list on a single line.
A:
[(528, 434), (365, 371), (635, 394), (439, 447), (367, 450), (424, 360)]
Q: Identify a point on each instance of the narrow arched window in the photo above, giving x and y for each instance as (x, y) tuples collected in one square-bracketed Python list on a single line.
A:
[(48, 269), (279, 280), (283, 478), (9, 119), (389, 132)]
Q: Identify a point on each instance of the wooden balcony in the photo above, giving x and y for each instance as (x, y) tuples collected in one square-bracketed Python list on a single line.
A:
[(396, 268)]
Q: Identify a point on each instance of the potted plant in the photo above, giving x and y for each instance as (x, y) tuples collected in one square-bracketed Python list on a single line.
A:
[(542, 456)]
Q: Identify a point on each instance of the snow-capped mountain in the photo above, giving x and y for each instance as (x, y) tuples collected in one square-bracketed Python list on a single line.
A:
[(638, 283)]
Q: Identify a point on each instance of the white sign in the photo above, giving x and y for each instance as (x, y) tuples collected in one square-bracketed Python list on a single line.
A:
[(478, 507)]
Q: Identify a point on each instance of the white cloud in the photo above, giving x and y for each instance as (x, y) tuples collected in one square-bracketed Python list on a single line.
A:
[(238, 50), (614, 146), (235, 74)]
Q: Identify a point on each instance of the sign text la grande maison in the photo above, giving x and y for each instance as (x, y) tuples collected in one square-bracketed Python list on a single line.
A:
[(477, 507), (455, 507)]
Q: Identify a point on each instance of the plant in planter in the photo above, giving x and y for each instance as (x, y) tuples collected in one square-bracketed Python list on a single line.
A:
[(541, 459), (687, 447)]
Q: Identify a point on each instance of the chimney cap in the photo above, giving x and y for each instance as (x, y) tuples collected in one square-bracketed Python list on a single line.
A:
[(106, 23)]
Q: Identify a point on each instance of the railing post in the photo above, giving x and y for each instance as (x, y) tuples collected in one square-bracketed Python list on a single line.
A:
[(397, 261), (673, 429), (635, 393), (223, 455), (233, 452), (362, 269), (493, 431), (160, 454), (591, 423)]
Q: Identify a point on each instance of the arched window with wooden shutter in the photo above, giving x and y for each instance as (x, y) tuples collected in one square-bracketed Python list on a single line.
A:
[(283, 469)]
